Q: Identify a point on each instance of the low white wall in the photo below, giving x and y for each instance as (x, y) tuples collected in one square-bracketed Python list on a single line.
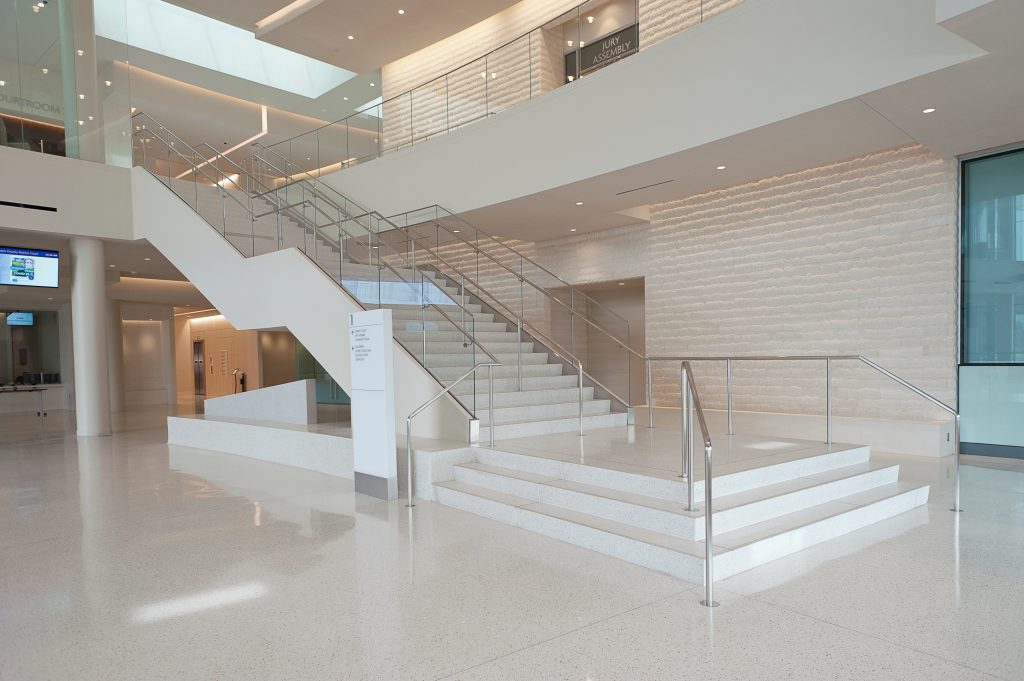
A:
[(289, 446), (293, 402)]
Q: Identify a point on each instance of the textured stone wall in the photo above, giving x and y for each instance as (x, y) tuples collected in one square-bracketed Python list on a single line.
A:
[(856, 257)]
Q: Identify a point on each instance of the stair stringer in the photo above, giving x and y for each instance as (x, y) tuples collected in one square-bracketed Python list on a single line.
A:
[(280, 289)]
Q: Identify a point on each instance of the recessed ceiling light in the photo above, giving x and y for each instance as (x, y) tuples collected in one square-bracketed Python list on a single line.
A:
[(579, 203), (373, 84), (147, 259), (573, 229), (92, 119), (108, 83), (45, 71), (928, 110), (2, 83), (346, 99), (401, 11), (456, 231), (720, 168), (50, 298), (81, 96), (351, 37), (80, 53), (590, 20), (569, 43), (622, 283), (111, 266), (134, 272), (81, 122)]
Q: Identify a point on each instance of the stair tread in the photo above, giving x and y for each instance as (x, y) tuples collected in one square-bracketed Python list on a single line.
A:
[(724, 542), (763, 492), (623, 530), (775, 526), (507, 472), (557, 418)]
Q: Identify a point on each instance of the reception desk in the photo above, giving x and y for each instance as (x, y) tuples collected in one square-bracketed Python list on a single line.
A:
[(29, 399)]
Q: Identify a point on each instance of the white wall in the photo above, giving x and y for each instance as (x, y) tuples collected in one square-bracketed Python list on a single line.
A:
[(857, 257), (91, 199)]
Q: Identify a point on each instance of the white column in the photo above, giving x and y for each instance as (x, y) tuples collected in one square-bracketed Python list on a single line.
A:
[(169, 367), (115, 355), (89, 330)]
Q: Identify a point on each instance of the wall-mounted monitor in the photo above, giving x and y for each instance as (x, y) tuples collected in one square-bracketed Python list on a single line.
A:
[(28, 267), (20, 319)]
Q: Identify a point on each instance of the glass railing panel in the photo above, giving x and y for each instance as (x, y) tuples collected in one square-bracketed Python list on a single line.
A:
[(397, 123), (332, 149), (467, 93), (363, 130), (429, 110), (509, 75)]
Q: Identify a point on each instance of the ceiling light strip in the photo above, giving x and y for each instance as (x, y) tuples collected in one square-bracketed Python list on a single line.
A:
[(261, 133), (284, 15)]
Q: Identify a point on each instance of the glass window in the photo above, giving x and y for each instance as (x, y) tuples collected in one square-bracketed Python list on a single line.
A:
[(993, 259), (29, 347)]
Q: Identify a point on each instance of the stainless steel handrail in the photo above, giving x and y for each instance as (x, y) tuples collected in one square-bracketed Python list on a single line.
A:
[(511, 250), (435, 398), (828, 359), (689, 402), (197, 169), (546, 293), (555, 347), (368, 215)]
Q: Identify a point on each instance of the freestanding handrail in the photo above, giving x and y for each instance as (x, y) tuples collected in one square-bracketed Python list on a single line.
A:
[(490, 415), (689, 402), (828, 359)]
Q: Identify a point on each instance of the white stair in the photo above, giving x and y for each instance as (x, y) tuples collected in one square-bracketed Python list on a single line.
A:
[(759, 514), (548, 400)]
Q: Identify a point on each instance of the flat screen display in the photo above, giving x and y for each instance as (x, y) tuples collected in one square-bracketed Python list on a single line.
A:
[(28, 267), (20, 319)]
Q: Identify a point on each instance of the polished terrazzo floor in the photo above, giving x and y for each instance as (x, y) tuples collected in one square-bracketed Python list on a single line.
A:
[(122, 558)]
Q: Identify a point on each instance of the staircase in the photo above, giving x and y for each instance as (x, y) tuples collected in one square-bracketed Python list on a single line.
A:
[(759, 514), (445, 337)]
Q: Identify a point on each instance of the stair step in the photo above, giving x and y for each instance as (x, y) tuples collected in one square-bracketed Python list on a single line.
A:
[(735, 551), (670, 517), (516, 429), (536, 412)]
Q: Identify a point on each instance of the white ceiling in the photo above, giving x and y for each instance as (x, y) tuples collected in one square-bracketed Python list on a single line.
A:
[(978, 106), (381, 35)]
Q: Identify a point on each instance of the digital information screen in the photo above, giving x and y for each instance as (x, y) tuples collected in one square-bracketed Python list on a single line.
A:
[(20, 319), (27, 267)]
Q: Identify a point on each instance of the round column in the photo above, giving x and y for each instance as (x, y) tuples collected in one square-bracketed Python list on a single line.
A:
[(89, 333)]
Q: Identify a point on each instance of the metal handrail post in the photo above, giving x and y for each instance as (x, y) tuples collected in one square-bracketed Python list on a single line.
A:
[(728, 391), (956, 465), (828, 400), (650, 396), (581, 397), (519, 352), (490, 400), (408, 461), (709, 548), (684, 412)]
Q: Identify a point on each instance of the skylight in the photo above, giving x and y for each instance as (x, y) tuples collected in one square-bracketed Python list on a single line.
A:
[(178, 33)]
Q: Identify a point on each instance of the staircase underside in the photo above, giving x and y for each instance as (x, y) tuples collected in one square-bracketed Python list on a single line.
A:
[(765, 506)]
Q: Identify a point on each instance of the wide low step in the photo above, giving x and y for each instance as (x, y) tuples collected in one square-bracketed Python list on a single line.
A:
[(505, 371), (509, 385), (459, 346), (468, 357), (530, 397), (659, 515), (536, 412), (414, 314), (670, 487), (514, 429), (735, 551), (485, 337), (412, 329)]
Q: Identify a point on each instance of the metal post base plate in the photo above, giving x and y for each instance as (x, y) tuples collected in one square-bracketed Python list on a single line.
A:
[(714, 604)]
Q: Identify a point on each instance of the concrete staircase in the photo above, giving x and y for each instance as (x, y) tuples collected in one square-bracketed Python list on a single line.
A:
[(759, 514), (549, 398)]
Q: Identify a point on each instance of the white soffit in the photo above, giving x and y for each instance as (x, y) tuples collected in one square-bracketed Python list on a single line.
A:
[(178, 33)]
